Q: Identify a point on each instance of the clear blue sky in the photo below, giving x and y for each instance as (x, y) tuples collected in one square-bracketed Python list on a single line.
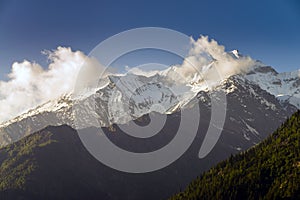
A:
[(268, 30)]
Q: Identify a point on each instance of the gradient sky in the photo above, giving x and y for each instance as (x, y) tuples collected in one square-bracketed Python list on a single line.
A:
[(266, 30)]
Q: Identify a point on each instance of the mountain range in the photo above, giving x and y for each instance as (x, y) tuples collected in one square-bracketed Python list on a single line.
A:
[(258, 101), (125, 97)]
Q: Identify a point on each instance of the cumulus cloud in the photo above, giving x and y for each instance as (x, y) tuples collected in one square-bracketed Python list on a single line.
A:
[(30, 84), (211, 62)]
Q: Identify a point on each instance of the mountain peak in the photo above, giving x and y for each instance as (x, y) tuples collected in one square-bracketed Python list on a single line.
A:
[(235, 52)]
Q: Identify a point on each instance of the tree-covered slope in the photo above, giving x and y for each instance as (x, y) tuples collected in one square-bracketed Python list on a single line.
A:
[(49, 164), (271, 170)]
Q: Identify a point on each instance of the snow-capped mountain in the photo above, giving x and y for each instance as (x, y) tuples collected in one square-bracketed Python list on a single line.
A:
[(119, 99), (284, 86), (249, 109), (56, 112)]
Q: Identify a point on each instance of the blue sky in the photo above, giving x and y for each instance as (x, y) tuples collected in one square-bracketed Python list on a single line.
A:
[(266, 30)]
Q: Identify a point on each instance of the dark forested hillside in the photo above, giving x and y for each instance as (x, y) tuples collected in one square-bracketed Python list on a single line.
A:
[(271, 170), (50, 164)]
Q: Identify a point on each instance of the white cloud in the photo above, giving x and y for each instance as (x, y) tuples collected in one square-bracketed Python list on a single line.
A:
[(212, 62), (30, 85)]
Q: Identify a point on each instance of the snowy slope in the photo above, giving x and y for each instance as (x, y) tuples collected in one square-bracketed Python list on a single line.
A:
[(130, 96), (119, 99), (284, 86)]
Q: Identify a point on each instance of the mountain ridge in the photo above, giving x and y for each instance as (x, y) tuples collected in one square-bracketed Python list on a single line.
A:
[(61, 111)]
